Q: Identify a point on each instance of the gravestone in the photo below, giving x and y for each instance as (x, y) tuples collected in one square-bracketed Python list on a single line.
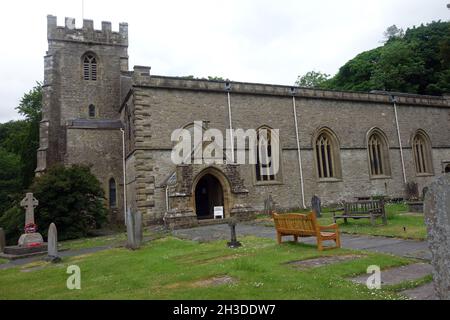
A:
[(233, 243), (424, 192), (134, 230), (316, 206), (2, 240), (52, 244), (269, 205), (31, 238), (29, 203), (130, 230), (437, 218), (138, 235)]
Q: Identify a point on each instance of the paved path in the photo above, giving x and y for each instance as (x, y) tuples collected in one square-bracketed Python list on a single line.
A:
[(399, 247), (62, 254)]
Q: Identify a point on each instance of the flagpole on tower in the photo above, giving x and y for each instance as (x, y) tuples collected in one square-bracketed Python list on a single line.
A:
[(82, 9)]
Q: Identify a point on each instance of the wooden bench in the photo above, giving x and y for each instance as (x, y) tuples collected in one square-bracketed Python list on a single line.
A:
[(371, 209), (305, 225)]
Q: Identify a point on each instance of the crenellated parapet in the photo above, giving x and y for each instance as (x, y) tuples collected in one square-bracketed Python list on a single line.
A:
[(87, 33)]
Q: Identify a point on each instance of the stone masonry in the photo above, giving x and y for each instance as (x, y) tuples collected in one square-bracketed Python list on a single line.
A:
[(149, 108)]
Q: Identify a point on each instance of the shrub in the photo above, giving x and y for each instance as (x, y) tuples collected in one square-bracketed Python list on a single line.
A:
[(13, 221), (72, 198)]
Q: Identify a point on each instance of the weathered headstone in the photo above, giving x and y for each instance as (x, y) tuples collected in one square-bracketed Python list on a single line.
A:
[(138, 233), (53, 244), (2, 240), (424, 192), (233, 243), (130, 230), (437, 218), (316, 205), (268, 205), (31, 237)]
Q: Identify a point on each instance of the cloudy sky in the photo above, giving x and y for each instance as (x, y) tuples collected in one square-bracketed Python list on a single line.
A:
[(268, 41)]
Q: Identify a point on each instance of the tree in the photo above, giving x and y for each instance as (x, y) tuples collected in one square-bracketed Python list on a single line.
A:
[(398, 68), (414, 61), (393, 32), (72, 198), (31, 108), (312, 79), (10, 182)]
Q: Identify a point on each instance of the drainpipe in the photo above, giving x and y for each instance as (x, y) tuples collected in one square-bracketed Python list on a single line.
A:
[(167, 198), (228, 89), (394, 102), (294, 105), (124, 176)]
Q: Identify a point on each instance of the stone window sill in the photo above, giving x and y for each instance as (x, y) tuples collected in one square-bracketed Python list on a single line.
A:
[(329, 180), (268, 183), (424, 175), (380, 177)]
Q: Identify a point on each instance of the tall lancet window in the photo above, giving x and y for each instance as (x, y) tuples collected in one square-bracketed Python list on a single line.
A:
[(267, 165), (328, 163), (422, 154), (112, 193), (378, 154)]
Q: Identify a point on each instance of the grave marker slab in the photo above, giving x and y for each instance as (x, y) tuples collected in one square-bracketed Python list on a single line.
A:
[(316, 205), (52, 243), (437, 218)]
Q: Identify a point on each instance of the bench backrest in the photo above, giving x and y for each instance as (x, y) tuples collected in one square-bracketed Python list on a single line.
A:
[(291, 222), (363, 207)]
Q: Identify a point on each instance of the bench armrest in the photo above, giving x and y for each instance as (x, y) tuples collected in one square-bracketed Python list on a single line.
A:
[(333, 226)]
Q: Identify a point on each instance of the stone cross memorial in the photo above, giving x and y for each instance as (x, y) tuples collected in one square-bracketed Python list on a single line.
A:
[(29, 203), (437, 218), (30, 238)]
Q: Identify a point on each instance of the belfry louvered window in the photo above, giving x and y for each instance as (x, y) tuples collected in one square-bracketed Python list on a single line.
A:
[(90, 67)]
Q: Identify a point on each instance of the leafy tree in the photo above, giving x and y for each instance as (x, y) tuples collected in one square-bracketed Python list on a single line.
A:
[(312, 79), (12, 221), (31, 107), (72, 198), (10, 183), (414, 61), (398, 68), (393, 32)]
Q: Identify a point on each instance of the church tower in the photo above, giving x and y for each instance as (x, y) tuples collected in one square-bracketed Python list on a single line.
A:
[(81, 100)]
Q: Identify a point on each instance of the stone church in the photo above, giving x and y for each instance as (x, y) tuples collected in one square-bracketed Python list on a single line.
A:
[(336, 145)]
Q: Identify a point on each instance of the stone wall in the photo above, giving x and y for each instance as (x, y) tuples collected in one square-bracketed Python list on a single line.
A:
[(166, 104), (68, 134)]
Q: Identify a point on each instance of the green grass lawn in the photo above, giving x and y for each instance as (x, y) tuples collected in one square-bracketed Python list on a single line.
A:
[(113, 240), (3, 261), (400, 224), (171, 268)]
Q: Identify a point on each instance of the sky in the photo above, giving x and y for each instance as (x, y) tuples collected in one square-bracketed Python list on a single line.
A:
[(264, 41)]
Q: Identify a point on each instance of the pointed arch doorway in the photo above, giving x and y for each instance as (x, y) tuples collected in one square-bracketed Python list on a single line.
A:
[(211, 189)]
